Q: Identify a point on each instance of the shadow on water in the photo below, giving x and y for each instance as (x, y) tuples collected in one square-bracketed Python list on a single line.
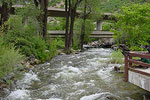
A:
[(84, 76)]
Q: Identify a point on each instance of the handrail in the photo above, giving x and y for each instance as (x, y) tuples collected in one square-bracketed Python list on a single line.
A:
[(129, 61)]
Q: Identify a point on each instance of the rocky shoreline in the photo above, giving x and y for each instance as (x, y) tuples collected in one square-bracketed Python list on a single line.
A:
[(104, 43)]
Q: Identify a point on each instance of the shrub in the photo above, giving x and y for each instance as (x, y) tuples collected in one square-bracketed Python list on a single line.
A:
[(9, 58)]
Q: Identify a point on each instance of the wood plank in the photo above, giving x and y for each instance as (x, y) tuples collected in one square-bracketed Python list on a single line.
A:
[(139, 63), (139, 54)]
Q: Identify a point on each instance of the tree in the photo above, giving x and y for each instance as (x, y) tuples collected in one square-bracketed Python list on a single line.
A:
[(90, 9), (83, 25), (67, 25), (44, 8), (5, 12), (43, 17), (71, 9)]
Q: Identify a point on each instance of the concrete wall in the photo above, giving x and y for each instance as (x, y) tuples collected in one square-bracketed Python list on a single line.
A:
[(140, 80)]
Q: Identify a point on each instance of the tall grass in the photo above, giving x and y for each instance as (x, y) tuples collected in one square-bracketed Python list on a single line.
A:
[(117, 57)]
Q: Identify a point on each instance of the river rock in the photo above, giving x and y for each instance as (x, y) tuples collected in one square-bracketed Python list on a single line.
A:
[(3, 86), (115, 47), (112, 98), (6, 91), (116, 68)]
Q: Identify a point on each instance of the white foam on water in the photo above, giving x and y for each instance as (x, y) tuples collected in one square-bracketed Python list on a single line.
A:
[(99, 96), (19, 95), (54, 99), (68, 72), (48, 89), (27, 80), (70, 62), (78, 83), (49, 99), (101, 52)]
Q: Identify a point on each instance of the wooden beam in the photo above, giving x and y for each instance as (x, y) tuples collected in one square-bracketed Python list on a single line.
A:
[(139, 54), (139, 63)]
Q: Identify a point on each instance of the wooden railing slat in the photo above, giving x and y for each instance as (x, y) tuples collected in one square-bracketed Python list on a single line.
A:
[(139, 63)]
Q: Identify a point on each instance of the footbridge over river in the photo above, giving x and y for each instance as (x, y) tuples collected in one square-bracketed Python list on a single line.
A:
[(60, 12), (95, 34)]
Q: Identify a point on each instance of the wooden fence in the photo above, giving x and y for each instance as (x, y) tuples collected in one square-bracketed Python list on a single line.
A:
[(136, 71)]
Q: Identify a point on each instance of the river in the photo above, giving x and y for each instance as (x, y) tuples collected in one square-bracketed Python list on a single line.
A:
[(83, 76)]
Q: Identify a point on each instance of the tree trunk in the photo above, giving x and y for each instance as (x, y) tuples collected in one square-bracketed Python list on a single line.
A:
[(83, 27), (44, 8), (4, 16), (73, 12), (67, 25)]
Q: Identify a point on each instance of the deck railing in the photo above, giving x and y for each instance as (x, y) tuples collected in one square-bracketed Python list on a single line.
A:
[(130, 63)]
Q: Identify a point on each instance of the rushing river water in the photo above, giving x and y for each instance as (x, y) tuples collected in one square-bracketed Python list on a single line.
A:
[(84, 76)]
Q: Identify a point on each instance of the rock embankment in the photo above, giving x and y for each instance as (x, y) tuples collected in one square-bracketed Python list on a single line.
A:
[(103, 43)]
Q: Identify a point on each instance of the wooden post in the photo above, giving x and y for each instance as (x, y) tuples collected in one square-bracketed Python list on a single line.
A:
[(126, 69), (130, 64)]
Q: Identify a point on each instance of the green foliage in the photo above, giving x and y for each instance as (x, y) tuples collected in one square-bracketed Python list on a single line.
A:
[(60, 43), (89, 27), (113, 4), (57, 24), (25, 38), (133, 26), (9, 58), (54, 2), (107, 26), (116, 57), (52, 48)]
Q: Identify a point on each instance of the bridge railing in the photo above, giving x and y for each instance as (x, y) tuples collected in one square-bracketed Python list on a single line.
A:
[(95, 34)]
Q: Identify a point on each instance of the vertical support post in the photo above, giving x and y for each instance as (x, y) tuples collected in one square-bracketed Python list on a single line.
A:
[(130, 64), (126, 68), (99, 25)]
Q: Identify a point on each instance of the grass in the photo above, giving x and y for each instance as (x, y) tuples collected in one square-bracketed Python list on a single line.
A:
[(117, 57)]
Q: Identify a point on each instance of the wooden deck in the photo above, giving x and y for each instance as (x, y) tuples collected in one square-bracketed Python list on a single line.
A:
[(137, 72)]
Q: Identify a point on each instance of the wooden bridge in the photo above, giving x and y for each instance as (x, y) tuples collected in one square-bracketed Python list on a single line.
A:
[(136, 71), (95, 34)]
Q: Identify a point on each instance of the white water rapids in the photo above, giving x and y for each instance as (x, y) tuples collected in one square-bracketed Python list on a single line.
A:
[(84, 76)]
